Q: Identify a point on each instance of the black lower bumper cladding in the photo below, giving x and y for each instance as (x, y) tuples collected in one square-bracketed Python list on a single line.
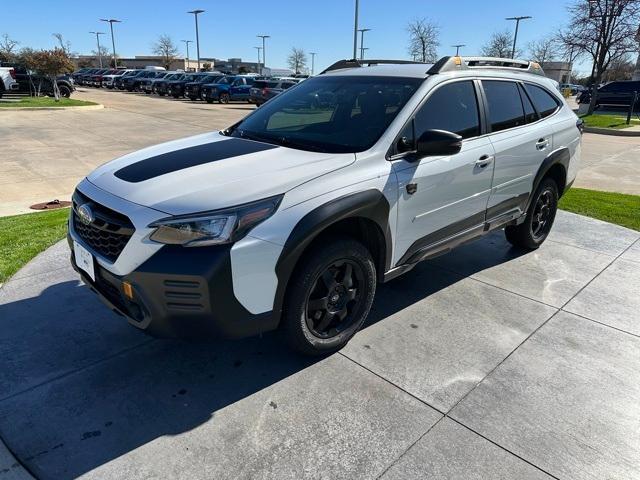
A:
[(181, 292)]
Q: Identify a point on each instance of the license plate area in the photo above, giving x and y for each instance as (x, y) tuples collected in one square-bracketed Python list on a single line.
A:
[(84, 260)]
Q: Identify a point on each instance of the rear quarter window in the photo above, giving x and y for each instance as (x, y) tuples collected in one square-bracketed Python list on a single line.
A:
[(545, 103)]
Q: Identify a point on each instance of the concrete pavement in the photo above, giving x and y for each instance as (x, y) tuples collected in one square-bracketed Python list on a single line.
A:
[(45, 154), (484, 363)]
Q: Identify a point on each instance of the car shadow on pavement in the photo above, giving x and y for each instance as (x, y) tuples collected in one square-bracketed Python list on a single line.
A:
[(115, 390)]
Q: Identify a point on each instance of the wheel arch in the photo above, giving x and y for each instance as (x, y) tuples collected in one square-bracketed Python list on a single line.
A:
[(362, 215), (555, 166)]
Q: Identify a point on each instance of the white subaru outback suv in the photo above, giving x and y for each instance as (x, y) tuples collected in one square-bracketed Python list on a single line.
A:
[(288, 219)]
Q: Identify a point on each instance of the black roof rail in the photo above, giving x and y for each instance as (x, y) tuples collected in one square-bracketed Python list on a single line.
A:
[(355, 63), (457, 63)]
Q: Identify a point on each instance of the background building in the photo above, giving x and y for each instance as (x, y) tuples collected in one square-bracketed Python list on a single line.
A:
[(558, 71), (232, 65)]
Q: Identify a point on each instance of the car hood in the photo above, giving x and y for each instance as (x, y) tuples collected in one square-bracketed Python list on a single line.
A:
[(211, 171)]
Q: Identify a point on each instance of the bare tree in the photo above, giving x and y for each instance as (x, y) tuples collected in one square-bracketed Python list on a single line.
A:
[(297, 59), (543, 50), (603, 30), (65, 45), (619, 69), (499, 45), (423, 40), (165, 48), (7, 47), (103, 52)]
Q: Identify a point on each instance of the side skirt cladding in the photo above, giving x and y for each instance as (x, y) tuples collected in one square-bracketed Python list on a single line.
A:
[(370, 205)]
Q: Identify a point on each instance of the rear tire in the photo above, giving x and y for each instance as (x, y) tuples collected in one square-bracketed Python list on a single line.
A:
[(224, 98), (531, 233), (329, 296)]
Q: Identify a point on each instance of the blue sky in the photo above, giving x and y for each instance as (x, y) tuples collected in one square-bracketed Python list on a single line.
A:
[(228, 28)]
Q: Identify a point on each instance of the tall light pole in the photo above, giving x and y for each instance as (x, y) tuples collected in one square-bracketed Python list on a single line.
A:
[(264, 50), (364, 49), (111, 21), (97, 34), (195, 15), (187, 42), (313, 62), (362, 30), (457, 47), (515, 35), (355, 31), (258, 48)]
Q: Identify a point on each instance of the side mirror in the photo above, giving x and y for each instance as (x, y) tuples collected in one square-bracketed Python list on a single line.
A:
[(438, 142)]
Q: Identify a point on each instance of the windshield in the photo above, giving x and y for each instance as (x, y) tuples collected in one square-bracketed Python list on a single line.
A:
[(341, 114)]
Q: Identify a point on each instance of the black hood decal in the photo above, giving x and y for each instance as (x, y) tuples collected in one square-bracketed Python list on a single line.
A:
[(189, 157)]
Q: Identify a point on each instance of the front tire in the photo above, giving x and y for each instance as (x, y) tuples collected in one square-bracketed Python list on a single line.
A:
[(224, 98), (531, 233), (329, 297)]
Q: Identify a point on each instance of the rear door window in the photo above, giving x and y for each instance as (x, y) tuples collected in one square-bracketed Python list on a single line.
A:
[(505, 106), (544, 102), (452, 107)]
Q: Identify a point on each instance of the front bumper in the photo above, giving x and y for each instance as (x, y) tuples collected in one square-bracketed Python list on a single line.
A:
[(180, 292)]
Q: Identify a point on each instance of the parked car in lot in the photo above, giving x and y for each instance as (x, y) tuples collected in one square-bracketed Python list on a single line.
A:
[(263, 90), (32, 83), (132, 82), (161, 86), (83, 78), (96, 79), (8, 81), (228, 89), (175, 88), (147, 84), (192, 90), (109, 80), (613, 94), (291, 217), (118, 82)]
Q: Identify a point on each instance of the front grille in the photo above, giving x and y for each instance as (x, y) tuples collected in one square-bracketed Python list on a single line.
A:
[(108, 234)]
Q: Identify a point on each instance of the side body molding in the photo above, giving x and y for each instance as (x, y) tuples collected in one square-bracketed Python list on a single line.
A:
[(369, 204)]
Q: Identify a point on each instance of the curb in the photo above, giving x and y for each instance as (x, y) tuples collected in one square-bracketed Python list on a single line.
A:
[(612, 132), (78, 107)]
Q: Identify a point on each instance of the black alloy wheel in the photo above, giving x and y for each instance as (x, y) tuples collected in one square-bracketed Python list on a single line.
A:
[(334, 297), (329, 295)]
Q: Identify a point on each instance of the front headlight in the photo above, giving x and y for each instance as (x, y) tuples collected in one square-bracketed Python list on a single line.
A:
[(213, 228)]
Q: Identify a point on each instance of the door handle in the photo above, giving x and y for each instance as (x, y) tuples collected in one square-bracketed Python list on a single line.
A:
[(542, 144), (483, 161)]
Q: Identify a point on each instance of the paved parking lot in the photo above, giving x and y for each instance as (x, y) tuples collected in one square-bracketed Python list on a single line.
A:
[(46, 153), (484, 363)]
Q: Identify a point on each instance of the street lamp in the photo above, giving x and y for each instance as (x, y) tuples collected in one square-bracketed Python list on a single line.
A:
[(258, 48), (195, 15), (264, 50), (97, 34), (187, 42), (457, 47), (515, 35), (362, 30), (355, 31), (313, 61), (111, 21)]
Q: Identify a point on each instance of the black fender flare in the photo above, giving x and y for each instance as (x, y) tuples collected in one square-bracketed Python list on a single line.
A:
[(561, 156), (369, 204)]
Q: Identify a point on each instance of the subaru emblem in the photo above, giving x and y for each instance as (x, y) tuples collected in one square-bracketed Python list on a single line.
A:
[(85, 214)]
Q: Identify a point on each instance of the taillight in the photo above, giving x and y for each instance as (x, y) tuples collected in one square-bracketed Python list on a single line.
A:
[(264, 91), (12, 72)]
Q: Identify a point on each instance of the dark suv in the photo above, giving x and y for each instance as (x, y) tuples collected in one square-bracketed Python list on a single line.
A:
[(176, 88), (192, 90), (614, 94)]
